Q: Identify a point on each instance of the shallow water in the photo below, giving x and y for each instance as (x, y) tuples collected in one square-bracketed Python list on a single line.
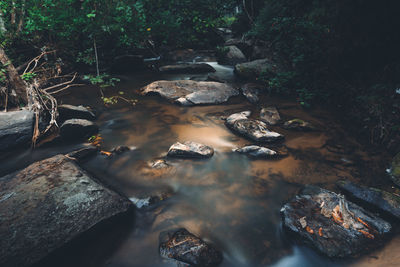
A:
[(229, 200)]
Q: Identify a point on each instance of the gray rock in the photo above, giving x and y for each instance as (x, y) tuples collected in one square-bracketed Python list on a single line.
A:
[(253, 129), (298, 125), (78, 128), (395, 170), (381, 199), (120, 149), (187, 68), (316, 218), (270, 115), (190, 150), (257, 152), (189, 93), (67, 112), (159, 164), (187, 249), (83, 153), (46, 205), (233, 56), (252, 91), (16, 129), (253, 69), (215, 78)]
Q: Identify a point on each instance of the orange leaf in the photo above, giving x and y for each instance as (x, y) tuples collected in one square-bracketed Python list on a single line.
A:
[(366, 234), (320, 231), (106, 153), (309, 230)]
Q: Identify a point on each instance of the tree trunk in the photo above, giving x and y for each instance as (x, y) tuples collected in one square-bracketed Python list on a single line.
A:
[(16, 82)]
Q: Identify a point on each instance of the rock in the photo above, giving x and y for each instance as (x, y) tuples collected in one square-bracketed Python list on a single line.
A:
[(187, 68), (16, 129), (46, 205), (253, 129), (298, 125), (78, 128), (334, 226), (215, 78), (270, 115), (381, 199), (189, 93), (231, 55), (187, 249), (83, 153), (158, 164), (120, 149), (252, 91), (67, 112), (189, 55), (190, 150), (257, 152), (395, 170), (253, 69)]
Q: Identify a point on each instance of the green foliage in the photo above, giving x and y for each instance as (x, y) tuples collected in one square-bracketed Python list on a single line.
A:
[(103, 80), (28, 76)]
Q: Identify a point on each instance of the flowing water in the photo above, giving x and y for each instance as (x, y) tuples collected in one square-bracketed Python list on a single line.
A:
[(229, 199)]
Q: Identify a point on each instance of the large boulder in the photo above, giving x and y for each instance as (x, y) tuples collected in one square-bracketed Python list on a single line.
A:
[(270, 115), (16, 129), (395, 170), (253, 69), (78, 128), (187, 249), (257, 152), (376, 197), (187, 68), (189, 93), (190, 150), (46, 205), (231, 55), (67, 112), (253, 129), (334, 226), (252, 91)]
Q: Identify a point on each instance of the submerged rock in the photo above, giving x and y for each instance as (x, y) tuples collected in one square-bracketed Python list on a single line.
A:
[(187, 249), (253, 69), (298, 125), (253, 129), (67, 112), (83, 153), (159, 164), (78, 128), (257, 152), (120, 149), (46, 205), (232, 56), (334, 226), (16, 129), (252, 91), (190, 150), (381, 199), (189, 93), (395, 170), (270, 115), (187, 68)]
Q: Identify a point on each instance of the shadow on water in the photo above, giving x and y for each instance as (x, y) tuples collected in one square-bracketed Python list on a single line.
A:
[(229, 199)]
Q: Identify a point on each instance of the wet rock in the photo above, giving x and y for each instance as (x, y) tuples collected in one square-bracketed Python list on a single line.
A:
[(78, 128), (270, 115), (253, 69), (83, 153), (298, 125), (253, 129), (147, 202), (187, 249), (215, 78), (190, 93), (258, 152), (16, 129), (159, 164), (190, 150), (46, 205), (334, 226), (120, 149), (395, 170), (233, 55), (381, 199), (187, 68), (252, 91), (189, 55), (67, 112)]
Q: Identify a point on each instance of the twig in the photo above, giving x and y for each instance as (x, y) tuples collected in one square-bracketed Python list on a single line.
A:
[(64, 88), (60, 84)]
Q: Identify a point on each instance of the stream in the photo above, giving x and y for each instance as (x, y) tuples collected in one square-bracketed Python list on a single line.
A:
[(230, 200)]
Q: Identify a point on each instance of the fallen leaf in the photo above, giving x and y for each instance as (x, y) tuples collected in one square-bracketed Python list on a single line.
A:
[(366, 234), (106, 153), (320, 231), (309, 230)]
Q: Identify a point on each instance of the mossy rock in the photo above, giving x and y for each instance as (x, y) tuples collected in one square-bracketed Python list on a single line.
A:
[(395, 169)]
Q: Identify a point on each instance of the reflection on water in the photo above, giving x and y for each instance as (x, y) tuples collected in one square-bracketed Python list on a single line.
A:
[(229, 199)]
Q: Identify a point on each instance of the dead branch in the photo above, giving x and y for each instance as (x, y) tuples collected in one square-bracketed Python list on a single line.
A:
[(66, 87), (60, 84), (36, 61)]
